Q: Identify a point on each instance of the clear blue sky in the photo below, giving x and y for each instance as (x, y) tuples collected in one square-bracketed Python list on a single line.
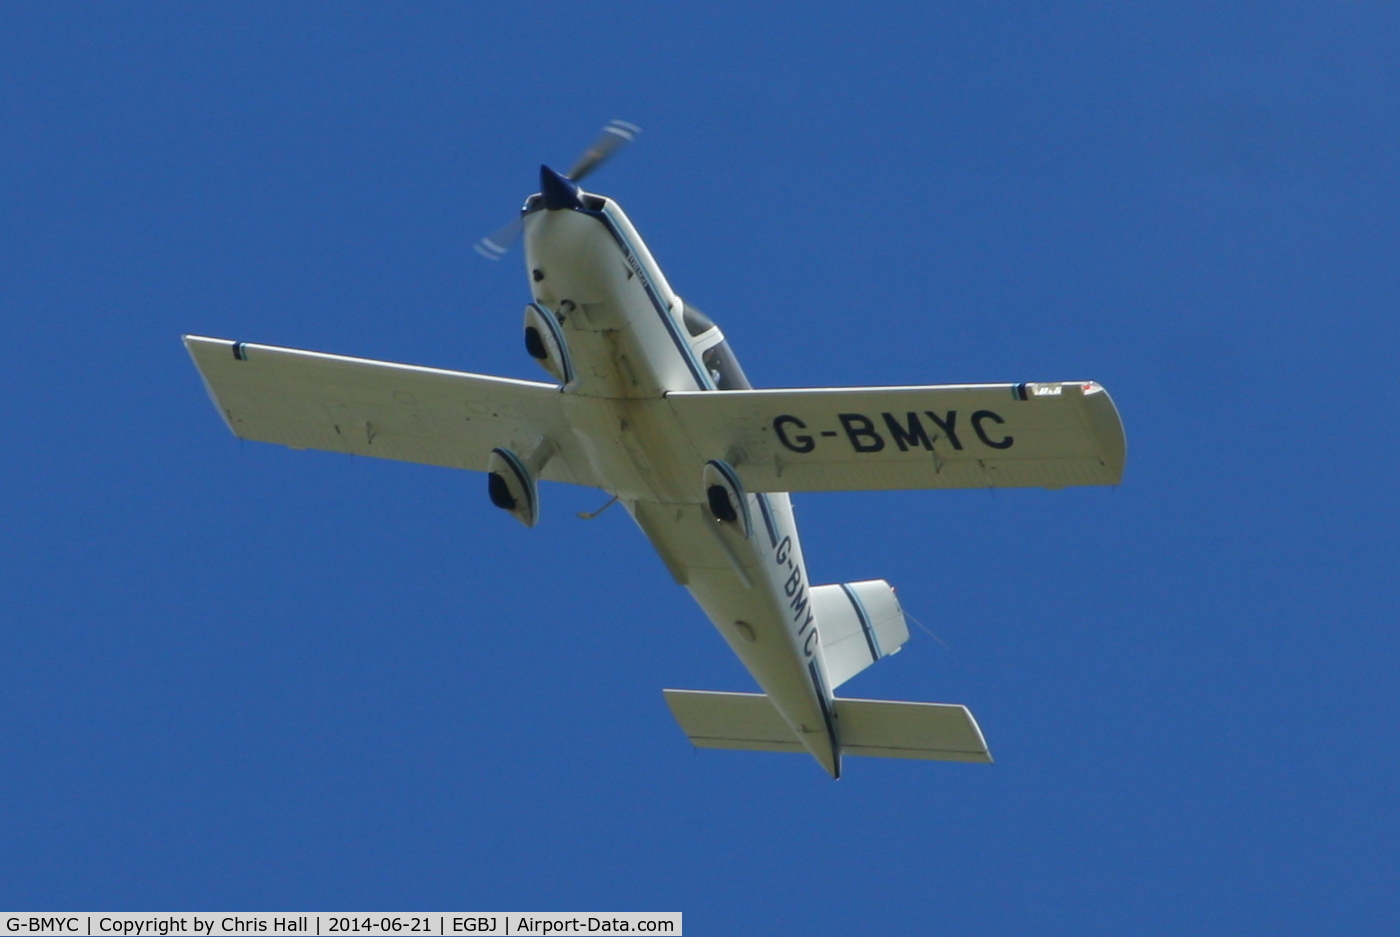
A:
[(234, 676)]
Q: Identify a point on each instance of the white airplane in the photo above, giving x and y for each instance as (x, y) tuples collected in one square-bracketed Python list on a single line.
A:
[(649, 404)]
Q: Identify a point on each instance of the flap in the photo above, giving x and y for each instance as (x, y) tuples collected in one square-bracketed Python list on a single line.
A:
[(950, 436), (310, 400)]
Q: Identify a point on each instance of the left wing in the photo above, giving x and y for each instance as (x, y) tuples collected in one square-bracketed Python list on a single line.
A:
[(310, 400), (868, 438)]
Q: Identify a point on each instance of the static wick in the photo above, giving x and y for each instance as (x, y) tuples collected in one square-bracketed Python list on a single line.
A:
[(589, 515)]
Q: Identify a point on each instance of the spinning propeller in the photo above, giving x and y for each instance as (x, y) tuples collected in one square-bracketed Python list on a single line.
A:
[(616, 135)]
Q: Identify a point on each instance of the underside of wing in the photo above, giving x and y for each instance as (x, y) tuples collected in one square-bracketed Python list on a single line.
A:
[(952, 436), (310, 400)]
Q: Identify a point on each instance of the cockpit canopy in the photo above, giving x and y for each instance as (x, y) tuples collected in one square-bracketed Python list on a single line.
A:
[(708, 342), (696, 322)]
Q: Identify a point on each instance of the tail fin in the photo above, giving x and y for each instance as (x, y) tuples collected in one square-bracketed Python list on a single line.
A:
[(857, 623), (877, 728)]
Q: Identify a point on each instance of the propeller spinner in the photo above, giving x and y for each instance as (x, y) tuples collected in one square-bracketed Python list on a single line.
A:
[(561, 191)]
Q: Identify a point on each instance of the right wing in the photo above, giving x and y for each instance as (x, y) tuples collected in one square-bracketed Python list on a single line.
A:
[(871, 438), (309, 400)]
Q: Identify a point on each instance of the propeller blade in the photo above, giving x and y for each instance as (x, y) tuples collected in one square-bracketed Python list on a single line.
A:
[(495, 245), (615, 136)]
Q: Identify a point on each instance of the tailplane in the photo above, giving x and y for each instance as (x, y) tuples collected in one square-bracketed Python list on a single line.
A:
[(876, 728)]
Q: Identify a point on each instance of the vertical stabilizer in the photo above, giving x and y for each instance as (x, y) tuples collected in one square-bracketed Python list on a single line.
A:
[(858, 623)]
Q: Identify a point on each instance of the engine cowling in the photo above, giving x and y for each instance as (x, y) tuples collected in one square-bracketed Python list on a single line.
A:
[(544, 340), (512, 487), (724, 493)]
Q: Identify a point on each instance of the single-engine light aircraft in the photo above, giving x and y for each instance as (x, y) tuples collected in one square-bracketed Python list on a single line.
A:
[(648, 403)]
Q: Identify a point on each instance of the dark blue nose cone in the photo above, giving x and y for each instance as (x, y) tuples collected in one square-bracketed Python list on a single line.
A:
[(558, 191)]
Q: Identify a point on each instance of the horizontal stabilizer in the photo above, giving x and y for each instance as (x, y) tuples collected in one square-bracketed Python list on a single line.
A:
[(892, 729), (877, 728), (731, 720)]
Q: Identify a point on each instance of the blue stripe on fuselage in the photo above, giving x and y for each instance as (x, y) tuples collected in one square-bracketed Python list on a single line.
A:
[(829, 717), (767, 513), (697, 371)]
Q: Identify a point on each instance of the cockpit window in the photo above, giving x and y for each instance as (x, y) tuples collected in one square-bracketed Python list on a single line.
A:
[(696, 322), (724, 368)]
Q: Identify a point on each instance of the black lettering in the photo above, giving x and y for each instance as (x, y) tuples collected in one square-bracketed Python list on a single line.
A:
[(859, 426), (807, 644), (978, 417), (784, 548), (794, 582), (948, 426), (798, 604), (903, 434), (797, 443)]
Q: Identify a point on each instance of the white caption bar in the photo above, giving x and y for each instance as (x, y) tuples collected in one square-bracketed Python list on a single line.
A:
[(342, 924)]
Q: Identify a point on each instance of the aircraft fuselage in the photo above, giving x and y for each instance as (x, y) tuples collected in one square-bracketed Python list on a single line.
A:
[(631, 340)]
